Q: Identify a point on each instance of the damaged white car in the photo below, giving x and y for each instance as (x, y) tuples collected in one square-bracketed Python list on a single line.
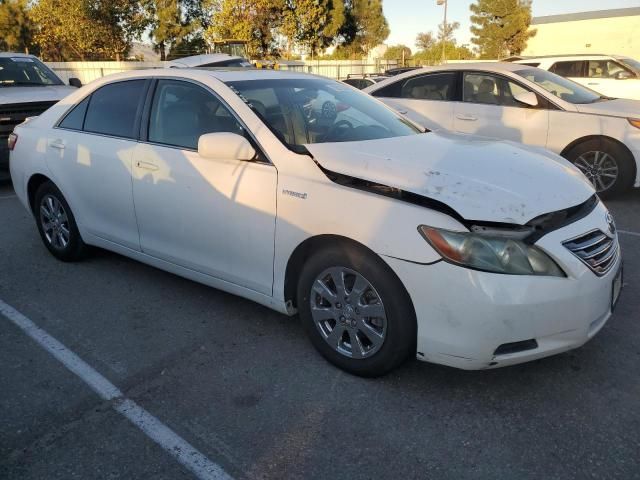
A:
[(308, 196)]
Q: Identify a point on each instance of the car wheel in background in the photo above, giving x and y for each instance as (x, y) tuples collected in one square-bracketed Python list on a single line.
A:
[(608, 166), (56, 224), (356, 311)]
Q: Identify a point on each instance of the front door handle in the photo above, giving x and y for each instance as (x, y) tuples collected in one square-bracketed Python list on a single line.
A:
[(466, 118), (59, 144), (594, 83), (403, 112), (147, 166)]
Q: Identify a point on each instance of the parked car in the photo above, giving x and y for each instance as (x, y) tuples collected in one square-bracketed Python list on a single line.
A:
[(611, 75), (361, 81), (600, 135), (27, 88), (211, 60), (388, 241)]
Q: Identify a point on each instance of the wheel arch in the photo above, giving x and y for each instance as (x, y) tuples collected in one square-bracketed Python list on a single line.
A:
[(311, 245), (32, 187), (587, 138)]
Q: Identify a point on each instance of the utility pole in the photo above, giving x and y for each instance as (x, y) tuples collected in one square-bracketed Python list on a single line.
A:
[(444, 30)]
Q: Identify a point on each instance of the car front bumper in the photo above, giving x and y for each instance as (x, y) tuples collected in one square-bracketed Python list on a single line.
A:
[(465, 315)]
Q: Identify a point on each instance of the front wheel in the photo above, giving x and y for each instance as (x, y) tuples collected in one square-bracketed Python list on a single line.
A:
[(355, 311), (607, 165)]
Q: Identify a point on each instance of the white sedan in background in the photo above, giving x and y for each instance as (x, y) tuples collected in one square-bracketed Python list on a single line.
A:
[(600, 135), (389, 241)]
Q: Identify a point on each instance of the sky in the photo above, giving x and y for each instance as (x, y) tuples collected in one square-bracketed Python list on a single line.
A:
[(409, 17)]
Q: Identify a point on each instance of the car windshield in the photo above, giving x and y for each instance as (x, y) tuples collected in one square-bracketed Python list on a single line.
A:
[(308, 110), (631, 63), (561, 87), (25, 71)]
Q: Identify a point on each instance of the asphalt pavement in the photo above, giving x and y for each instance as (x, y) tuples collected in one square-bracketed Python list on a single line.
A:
[(243, 386)]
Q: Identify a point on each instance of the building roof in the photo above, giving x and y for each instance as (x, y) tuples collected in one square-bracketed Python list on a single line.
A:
[(572, 17)]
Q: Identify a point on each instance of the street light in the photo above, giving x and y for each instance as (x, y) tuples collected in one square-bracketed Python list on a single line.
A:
[(444, 29)]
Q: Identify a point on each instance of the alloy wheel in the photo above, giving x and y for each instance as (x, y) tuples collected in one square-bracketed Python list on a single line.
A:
[(55, 222), (600, 168), (348, 312)]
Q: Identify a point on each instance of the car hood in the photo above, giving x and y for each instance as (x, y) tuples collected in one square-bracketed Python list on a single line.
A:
[(620, 107), (49, 93), (481, 179)]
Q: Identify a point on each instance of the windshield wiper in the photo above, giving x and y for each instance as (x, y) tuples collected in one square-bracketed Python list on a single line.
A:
[(23, 84)]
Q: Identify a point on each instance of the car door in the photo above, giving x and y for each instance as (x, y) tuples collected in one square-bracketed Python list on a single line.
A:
[(214, 216), (488, 108), (90, 153), (426, 98)]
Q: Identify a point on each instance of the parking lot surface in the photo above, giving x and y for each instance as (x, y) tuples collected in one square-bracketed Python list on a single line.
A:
[(243, 386)]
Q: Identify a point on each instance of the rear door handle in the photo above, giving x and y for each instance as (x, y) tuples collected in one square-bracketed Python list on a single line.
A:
[(59, 144), (403, 112), (466, 118), (147, 166)]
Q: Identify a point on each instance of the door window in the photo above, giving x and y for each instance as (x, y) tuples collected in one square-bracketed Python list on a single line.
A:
[(435, 86), (181, 112), (75, 118), (605, 69), (491, 90), (113, 109), (568, 69)]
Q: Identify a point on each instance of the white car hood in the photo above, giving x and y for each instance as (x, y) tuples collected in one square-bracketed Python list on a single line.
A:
[(49, 93), (620, 107), (481, 179)]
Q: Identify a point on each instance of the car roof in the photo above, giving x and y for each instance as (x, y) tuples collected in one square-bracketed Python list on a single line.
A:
[(15, 54), (196, 60), (222, 74), (577, 56)]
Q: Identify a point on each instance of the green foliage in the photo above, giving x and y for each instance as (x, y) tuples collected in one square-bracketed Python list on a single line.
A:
[(500, 28), (425, 41), (83, 29), (168, 23), (430, 49), (395, 52), (365, 26), (16, 26), (313, 24)]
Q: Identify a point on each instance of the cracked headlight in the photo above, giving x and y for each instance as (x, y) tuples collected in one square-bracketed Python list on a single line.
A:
[(490, 252)]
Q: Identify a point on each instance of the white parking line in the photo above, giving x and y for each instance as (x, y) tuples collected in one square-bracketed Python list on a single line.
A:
[(625, 232), (171, 442)]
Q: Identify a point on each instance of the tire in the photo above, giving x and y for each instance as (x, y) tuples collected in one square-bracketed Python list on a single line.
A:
[(600, 158), (384, 338), (57, 225)]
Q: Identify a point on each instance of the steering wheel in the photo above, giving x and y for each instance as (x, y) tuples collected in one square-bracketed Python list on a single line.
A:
[(342, 126), (329, 110)]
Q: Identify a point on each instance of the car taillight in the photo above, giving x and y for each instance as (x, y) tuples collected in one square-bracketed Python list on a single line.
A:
[(13, 139)]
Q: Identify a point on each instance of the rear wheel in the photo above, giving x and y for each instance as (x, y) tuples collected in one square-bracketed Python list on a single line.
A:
[(607, 165), (355, 311), (56, 224)]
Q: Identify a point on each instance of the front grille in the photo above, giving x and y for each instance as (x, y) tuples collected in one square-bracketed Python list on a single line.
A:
[(596, 250), (14, 114)]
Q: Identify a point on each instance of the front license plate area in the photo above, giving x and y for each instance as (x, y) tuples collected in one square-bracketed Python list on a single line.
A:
[(616, 288)]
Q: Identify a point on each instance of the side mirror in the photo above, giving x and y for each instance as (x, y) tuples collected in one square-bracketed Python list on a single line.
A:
[(75, 82), (225, 146), (528, 98), (623, 75)]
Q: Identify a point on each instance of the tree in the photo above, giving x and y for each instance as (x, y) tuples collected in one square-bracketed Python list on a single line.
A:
[(425, 41), (365, 26), (168, 23), (312, 23), (256, 21), (397, 52), (446, 32), (16, 27), (86, 29), (500, 28)]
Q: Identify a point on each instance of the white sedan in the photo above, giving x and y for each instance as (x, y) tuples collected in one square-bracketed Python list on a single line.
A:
[(600, 135), (387, 240)]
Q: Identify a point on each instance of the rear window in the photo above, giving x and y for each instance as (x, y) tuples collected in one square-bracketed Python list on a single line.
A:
[(75, 118), (113, 108)]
